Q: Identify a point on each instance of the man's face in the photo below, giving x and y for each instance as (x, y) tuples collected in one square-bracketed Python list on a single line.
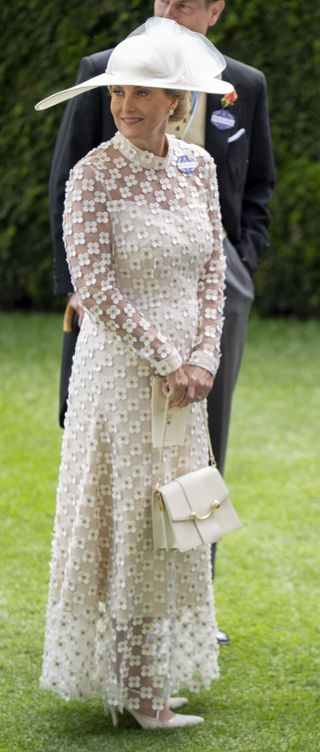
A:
[(194, 14)]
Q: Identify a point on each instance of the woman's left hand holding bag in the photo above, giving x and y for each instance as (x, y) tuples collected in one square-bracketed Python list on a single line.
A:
[(187, 384), (200, 383)]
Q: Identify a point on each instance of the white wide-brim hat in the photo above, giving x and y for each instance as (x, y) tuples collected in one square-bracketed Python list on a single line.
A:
[(159, 54)]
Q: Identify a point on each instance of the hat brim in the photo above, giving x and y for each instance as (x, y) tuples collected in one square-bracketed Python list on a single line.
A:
[(212, 86)]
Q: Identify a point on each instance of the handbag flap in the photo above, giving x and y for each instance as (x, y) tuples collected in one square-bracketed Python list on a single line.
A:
[(194, 492), (197, 509)]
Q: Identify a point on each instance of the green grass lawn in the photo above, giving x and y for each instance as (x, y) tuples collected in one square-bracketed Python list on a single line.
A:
[(267, 584)]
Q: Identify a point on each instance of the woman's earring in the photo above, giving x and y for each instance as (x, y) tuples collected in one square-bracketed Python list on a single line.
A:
[(171, 112)]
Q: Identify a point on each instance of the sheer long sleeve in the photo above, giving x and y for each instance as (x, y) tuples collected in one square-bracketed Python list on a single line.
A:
[(206, 352), (88, 240)]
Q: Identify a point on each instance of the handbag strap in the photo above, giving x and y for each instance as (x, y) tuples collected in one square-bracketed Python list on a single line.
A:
[(163, 436)]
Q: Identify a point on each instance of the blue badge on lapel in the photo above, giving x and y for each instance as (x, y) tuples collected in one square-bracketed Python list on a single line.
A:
[(186, 164), (222, 120)]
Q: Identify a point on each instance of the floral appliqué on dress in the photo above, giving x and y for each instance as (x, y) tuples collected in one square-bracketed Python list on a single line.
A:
[(144, 246)]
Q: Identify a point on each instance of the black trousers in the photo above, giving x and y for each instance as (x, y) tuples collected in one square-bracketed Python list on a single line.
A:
[(239, 295)]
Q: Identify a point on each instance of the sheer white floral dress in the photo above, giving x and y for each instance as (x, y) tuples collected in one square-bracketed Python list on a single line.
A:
[(144, 242)]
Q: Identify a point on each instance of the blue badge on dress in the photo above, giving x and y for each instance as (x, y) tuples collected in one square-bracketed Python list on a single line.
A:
[(186, 164), (222, 119)]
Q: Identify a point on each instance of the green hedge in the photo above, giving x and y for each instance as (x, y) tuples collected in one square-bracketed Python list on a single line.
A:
[(42, 44)]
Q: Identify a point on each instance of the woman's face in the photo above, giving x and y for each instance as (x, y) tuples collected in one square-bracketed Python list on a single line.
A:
[(141, 115)]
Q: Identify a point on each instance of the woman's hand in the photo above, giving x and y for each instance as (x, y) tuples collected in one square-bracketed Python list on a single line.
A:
[(200, 383), (187, 384), (175, 385)]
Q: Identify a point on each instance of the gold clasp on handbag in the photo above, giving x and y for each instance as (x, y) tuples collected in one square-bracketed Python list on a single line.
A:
[(195, 516)]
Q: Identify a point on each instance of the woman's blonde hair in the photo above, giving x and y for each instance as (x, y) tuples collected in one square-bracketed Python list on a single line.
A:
[(182, 107)]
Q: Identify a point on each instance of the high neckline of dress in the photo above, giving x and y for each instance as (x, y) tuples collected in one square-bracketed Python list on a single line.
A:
[(145, 159)]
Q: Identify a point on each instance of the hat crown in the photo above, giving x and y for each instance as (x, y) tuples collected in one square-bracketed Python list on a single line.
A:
[(162, 50), (144, 58)]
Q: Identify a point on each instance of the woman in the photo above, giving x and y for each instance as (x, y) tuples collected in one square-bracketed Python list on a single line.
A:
[(143, 237)]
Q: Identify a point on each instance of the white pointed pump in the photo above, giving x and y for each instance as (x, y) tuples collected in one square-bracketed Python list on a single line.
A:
[(154, 723)]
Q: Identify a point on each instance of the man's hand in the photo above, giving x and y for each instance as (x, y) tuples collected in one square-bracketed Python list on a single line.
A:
[(75, 302)]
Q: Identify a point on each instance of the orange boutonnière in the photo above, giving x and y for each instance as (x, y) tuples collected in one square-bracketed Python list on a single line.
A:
[(229, 99)]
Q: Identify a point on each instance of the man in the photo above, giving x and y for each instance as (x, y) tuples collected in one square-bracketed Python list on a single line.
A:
[(237, 135)]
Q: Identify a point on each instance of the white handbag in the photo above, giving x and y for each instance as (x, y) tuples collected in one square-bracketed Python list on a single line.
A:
[(192, 510)]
